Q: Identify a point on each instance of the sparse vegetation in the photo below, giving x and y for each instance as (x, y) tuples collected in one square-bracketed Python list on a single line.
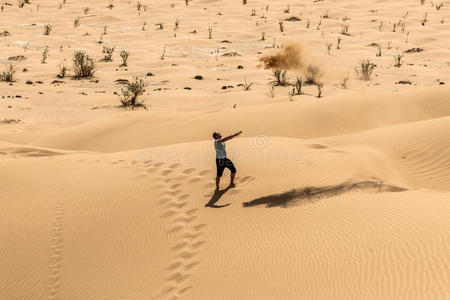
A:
[(312, 74), (379, 52), (108, 51), (129, 96), (319, 90), (210, 31), (44, 55), (398, 60), (163, 55), (280, 78), (297, 86), (247, 84), (345, 29), (344, 82), (76, 22), (365, 69), (8, 74), (425, 19), (62, 71), (329, 45), (124, 55), (83, 63), (280, 23), (47, 29)]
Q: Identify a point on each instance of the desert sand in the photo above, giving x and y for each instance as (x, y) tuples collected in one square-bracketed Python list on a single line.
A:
[(342, 196)]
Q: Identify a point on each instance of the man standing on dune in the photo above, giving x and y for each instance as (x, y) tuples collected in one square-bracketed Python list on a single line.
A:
[(222, 161)]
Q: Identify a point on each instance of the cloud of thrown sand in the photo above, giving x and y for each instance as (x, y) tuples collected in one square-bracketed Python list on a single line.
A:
[(288, 58)]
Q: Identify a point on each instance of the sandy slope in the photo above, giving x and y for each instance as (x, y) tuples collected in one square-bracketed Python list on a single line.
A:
[(342, 197)]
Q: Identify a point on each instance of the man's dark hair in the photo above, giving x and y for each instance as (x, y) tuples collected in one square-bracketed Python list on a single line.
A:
[(214, 134)]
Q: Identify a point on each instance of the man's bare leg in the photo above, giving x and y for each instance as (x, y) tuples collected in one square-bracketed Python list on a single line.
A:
[(217, 183), (232, 178)]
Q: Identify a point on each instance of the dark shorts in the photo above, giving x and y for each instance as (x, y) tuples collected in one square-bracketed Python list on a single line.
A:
[(223, 163)]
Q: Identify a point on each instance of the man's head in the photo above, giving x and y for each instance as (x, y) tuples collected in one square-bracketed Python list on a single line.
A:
[(217, 135)]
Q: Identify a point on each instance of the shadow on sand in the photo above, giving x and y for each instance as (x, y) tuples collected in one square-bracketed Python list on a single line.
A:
[(216, 196), (311, 194)]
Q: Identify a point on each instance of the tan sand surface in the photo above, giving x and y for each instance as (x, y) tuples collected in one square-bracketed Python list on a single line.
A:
[(346, 196)]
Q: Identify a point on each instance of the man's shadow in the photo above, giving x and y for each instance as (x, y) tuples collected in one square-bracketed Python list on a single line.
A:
[(216, 196)]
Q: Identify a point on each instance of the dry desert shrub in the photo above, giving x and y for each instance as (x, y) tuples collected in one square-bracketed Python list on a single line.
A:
[(8, 74), (44, 55), (345, 29), (124, 55), (312, 74), (319, 90), (62, 71), (83, 64), (398, 60), (297, 86), (129, 97), (108, 51), (365, 69), (247, 85), (47, 29), (280, 78)]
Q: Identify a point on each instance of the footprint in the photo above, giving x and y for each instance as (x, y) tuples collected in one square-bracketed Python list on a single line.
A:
[(179, 245), (202, 173), (183, 197), (174, 166), (166, 172), (187, 254), (191, 265), (195, 179), (142, 176), (197, 245), (180, 177), (191, 211), (164, 200), (175, 229), (158, 164), (174, 193), (189, 171), (184, 290), (185, 220), (174, 265), (199, 227), (316, 146), (176, 185), (192, 236), (169, 213)]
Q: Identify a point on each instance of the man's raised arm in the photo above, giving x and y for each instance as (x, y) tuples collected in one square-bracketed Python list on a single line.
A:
[(229, 137)]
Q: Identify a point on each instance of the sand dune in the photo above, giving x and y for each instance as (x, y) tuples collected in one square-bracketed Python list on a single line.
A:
[(345, 196)]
